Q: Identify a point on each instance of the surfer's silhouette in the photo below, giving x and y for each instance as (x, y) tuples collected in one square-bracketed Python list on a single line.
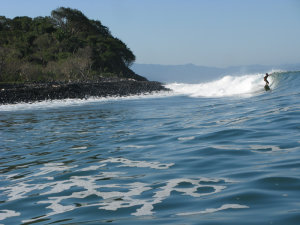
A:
[(265, 79), (267, 88)]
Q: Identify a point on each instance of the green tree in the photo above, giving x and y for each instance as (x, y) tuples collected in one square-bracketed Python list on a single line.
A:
[(65, 46)]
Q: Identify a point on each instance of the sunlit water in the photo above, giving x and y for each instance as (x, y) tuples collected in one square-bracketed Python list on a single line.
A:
[(213, 153)]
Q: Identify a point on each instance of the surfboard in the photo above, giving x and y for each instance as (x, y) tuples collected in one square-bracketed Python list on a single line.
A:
[(267, 88)]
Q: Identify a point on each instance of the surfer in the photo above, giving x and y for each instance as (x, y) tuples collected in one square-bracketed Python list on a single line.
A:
[(265, 79), (267, 88)]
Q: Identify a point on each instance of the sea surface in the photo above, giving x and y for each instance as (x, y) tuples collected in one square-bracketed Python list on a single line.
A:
[(222, 152)]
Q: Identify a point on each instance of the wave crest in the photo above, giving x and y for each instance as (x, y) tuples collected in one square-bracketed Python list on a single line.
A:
[(246, 85)]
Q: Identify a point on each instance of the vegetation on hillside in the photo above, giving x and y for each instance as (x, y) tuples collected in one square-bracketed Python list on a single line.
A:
[(66, 46)]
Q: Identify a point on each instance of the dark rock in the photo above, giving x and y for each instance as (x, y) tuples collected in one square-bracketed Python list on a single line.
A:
[(30, 92)]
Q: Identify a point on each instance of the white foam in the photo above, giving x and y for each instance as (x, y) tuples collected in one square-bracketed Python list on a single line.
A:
[(171, 186), (130, 193), (213, 210), (94, 167), (186, 138), (244, 86), (140, 146), (52, 167), (4, 214), (48, 104), (142, 164), (79, 148), (267, 148)]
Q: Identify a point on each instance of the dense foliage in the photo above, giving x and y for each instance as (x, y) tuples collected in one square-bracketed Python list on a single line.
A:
[(66, 46)]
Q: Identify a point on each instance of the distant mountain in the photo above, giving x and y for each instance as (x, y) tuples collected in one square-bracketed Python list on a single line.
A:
[(191, 73)]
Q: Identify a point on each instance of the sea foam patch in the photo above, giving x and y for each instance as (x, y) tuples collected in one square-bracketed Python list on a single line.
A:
[(213, 210), (4, 214), (121, 192), (130, 163), (186, 138)]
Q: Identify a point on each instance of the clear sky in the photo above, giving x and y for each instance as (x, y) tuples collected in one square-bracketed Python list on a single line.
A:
[(203, 32)]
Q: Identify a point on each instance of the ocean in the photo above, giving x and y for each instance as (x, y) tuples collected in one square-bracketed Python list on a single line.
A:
[(220, 152)]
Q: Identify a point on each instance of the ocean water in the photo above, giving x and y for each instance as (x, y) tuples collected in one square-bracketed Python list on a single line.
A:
[(222, 152)]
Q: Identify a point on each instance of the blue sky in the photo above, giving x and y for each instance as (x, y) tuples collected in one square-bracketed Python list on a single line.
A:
[(203, 32)]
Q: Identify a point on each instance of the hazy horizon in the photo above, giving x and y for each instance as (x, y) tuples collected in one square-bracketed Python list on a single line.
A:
[(220, 67)]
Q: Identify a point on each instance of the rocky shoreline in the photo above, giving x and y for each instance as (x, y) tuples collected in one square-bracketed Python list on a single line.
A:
[(31, 92)]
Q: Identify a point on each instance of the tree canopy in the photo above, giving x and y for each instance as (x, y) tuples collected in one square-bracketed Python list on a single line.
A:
[(66, 46)]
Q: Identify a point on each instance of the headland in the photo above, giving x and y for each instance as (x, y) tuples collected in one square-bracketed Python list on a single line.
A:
[(65, 55)]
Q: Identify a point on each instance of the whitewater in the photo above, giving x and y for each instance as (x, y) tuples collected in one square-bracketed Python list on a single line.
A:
[(219, 152), (242, 86)]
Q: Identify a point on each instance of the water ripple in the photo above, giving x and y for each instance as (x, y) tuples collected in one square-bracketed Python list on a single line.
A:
[(172, 160)]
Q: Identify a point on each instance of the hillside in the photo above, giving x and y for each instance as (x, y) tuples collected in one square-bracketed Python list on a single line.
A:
[(64, 47)]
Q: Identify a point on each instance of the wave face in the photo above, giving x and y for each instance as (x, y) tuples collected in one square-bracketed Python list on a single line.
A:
[(245, 85)]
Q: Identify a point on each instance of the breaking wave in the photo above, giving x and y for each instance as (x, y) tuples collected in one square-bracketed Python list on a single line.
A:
[(245, 86)]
